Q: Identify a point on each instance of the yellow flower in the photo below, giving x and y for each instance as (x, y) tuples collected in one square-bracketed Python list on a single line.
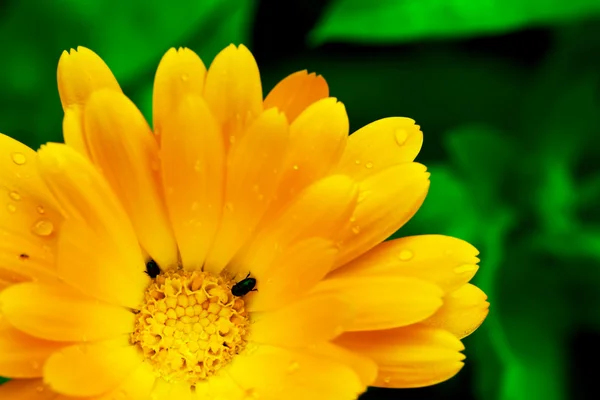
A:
[(227, 184)]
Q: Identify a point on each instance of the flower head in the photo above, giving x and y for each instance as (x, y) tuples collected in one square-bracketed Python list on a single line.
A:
[(233, 250)]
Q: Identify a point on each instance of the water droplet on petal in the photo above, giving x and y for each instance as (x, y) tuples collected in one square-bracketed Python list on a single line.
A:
[(295, 167), (293, 367), (185, 77), (19, 158), (353, 218), (40, 389), (356, 229), (387, 380), (357, 162), (43, 227), (11, 207), (14, 195), (40, 209), (369, 165), (400, 135), (405, 255)]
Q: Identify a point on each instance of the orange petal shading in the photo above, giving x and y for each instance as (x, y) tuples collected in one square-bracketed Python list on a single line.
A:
[(60, 313), (319, 211), (317, 140), (311, 320), (80, 73), (253, 167), (296, 92), (446, 261), (137, 385), (27, 389), (270, 372), (122, 145), (22, 356), (193, 166), (233, 90), (363, 366), (410, 357), (222, 384), (294, 272), (379, 145), (385, 302), (462, 313), (180, 73), (164, 390), (386, 201), (28, 218), (91, 369), (104, 274)]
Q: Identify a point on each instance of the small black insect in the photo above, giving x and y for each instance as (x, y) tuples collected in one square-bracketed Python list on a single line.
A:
[(244, 286), (152, 269), (24, 256)]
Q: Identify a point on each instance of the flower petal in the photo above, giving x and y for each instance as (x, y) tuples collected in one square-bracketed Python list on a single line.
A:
[(219, 387), (164, 390), (294, 272), (23, 355), (137, 386), (379, 145), (463, 311), (319, 211), (86, 197), (446, 261), (233, 90), (91, 369), (103, 274), (270, 372), (296, 92), (27, 389), (409, 357), (60, 313), (122, 145), (180, 73), (317, 140), (253, 166), (193, 166), (308, 321), (80, 73), (385, 302), (29, 219), (386, 201)]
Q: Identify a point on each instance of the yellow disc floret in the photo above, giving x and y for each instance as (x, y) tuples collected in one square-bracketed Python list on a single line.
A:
[(190, 325)]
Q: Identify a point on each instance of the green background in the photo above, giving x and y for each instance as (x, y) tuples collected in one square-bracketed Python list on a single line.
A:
[(507, 93)]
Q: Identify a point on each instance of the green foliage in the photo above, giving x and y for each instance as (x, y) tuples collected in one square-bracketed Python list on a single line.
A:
[(389, 21)]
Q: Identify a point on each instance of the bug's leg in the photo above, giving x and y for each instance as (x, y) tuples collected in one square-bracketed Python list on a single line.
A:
[(247, 275), (254, 290)]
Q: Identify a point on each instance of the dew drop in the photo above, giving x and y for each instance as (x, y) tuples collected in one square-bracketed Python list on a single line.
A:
[(356, 229), (40, 209), (14, 195), (400, 136), (295, 167), (19, 158), (357, 162), (293, 367), (369, 165), (11, 207), (405, 255), (387, 380), (43, 227), (185, 77), (353, 218), (39, 389)]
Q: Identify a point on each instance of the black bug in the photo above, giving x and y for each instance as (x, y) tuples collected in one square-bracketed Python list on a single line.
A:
[(152, 269), (244, 286)]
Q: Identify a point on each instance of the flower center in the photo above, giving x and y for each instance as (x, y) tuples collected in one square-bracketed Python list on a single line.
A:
[(190, 325)]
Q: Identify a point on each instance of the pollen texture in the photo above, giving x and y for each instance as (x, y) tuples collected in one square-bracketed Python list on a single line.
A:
[(190, 325)]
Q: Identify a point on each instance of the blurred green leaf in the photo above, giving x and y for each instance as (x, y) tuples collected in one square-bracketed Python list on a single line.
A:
[(388, 21)]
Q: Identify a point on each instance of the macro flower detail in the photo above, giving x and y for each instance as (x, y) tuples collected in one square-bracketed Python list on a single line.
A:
[(234, 250)]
